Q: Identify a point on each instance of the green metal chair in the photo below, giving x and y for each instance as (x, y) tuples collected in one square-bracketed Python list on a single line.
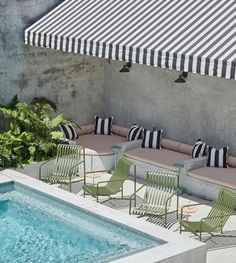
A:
[(115, 184), (222, 209), (160, 188), (68, 166)]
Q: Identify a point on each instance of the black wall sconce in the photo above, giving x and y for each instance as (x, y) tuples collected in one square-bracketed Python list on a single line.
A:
[(126, 67), (182, 77)]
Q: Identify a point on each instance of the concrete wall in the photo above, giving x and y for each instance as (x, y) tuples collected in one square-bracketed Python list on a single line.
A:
[(204, 107), (74, 82)]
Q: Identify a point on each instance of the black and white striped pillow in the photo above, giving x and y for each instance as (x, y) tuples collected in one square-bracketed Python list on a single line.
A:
[(103, 126), (134, 133), (152, 139), (69, 131), (217, 158), (199, 149)]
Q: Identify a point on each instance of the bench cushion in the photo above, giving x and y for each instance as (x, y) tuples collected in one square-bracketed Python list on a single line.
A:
[(163, 158), (222, 176), (99, 144)]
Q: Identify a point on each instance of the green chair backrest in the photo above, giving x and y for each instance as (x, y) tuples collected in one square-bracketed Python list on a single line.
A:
[(67, 157), (159, 187), (222, 209), (121, 173)]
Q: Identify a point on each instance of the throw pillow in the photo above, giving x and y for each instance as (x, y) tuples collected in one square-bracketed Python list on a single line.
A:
[(152, 139), (134, 133), (103, 126), (217, 158), (199, 149), (68, 131)]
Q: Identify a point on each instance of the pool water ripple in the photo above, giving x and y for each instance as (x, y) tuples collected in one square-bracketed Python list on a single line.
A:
[(35, 228)]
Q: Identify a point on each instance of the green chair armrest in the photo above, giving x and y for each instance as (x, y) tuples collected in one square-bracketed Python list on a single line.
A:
[(131, 197), (77, 164), (42, 164), (205, 203), (106, 181)]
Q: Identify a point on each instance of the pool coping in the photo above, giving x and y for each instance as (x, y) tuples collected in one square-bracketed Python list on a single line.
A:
[(176, 245)]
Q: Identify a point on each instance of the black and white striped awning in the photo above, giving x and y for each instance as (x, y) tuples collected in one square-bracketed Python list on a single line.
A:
[(197, 36)]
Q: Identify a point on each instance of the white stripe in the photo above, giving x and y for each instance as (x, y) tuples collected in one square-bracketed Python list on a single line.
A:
[(154, 141), (212, 160), (147, 139), (221, 157)]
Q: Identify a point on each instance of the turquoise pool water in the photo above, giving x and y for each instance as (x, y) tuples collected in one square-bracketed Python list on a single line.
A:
[(38, 229)]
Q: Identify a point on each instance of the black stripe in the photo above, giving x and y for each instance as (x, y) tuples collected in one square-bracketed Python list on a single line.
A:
[(110, 125), (64, 129), (217, 153), (74, 135), (96, 125), (225, 152), (144, 138), (150, 139), (102, 126), (209, 156), (159, 139)]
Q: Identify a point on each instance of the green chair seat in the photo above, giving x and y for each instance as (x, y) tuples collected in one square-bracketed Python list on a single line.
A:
[(149, 209), (112, 186), (56, 178), (101, 191), (195, 227)]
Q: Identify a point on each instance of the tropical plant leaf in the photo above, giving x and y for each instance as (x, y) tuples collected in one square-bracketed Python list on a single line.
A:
[(44, 101)]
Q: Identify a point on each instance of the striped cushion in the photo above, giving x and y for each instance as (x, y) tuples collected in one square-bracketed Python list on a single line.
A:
[(199, 149), (103, 126), (69, 131), (134, 133), (152, 139), (217, 158)]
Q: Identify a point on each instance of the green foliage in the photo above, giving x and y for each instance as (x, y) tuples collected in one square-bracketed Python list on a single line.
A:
[(33, 134), (42, 101)]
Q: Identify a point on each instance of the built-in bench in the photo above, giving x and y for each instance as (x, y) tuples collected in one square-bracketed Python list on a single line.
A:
[(207, 181), (98, 148), (196, 178)]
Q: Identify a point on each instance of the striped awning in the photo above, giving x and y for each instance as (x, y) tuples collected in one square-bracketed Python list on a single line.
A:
[(196, 36)]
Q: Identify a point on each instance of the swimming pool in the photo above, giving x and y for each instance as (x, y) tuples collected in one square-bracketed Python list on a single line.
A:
[(152, 243), (36, 228)]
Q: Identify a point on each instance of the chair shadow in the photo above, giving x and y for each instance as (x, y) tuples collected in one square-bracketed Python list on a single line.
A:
[(221, 241)]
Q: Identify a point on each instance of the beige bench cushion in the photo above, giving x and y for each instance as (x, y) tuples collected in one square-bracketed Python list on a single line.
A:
[(222, 176), (99, 144), (162, 158)]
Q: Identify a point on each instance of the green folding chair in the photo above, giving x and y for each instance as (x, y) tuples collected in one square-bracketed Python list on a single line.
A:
[(222, 209), (160, 188), (68, 166), (112, 186)]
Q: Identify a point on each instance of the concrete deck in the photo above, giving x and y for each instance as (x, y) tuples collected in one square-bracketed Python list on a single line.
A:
[(219, 249)]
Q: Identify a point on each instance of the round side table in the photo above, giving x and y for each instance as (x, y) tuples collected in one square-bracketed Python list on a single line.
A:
[(93, 176)]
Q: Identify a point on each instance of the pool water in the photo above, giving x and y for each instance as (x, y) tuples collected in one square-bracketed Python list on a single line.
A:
[(38, 229)]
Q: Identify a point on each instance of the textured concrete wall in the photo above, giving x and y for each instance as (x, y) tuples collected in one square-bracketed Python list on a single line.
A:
[(74, 82), (204, 107)]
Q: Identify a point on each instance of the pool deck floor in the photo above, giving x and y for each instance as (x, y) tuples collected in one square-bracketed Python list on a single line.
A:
[(221, 248)]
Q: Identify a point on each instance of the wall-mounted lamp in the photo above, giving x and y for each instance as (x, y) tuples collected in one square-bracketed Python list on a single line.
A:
[(182, 77), (126, 67)]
